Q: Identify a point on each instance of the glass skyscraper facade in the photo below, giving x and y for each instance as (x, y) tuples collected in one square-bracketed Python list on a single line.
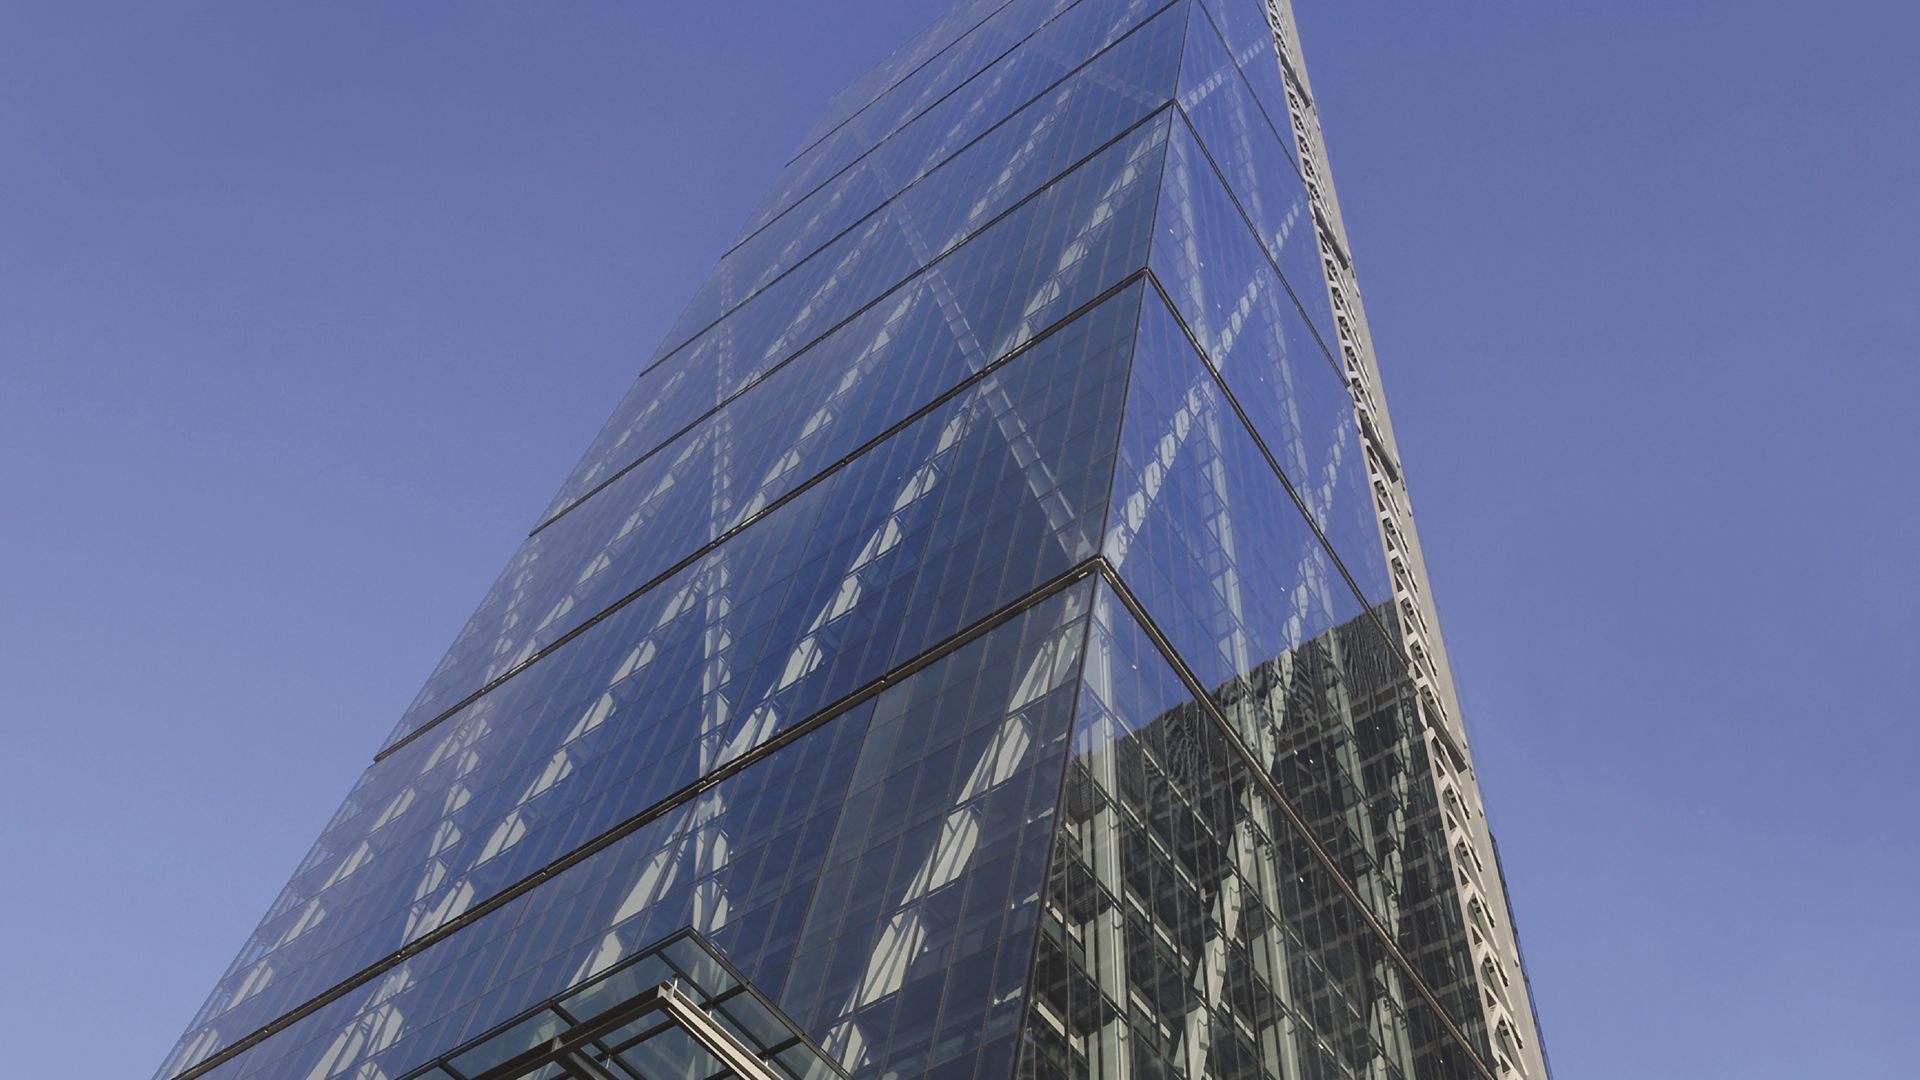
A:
[(988, 640)]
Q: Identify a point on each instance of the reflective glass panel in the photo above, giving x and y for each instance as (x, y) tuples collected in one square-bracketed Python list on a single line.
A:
[(1055, 253), (1022, 272), (1189, 930), (851, 839), (1240, 315), (941, 177), (1028, 45), (1249, 37), (901, 548), (1261, 180)]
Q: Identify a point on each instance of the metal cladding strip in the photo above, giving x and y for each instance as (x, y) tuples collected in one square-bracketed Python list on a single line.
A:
[(1511, 1023)]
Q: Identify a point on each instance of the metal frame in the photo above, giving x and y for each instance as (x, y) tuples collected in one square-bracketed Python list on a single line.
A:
[(572, 1050), (582, 1053)]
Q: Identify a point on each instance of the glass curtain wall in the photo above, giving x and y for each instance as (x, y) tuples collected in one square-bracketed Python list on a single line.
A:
[(972, 622)]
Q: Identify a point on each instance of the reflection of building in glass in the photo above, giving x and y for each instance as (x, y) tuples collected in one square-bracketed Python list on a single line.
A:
[(1175, 863), (990, 624)]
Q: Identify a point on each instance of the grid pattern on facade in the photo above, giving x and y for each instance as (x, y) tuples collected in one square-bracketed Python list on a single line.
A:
[(975, 622)]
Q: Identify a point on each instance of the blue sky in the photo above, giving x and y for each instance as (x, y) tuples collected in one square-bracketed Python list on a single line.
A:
[(305, 310)]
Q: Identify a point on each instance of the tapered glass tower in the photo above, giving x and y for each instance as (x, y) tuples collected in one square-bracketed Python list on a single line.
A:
[(989, 640)]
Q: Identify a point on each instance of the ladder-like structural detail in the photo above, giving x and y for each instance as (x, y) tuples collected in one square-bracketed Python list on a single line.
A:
[(1512, 1027)]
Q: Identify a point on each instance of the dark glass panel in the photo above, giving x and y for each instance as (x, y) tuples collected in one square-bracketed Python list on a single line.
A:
[(1403, 805)]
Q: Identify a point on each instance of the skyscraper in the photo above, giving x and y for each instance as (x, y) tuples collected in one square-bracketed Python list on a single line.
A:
[(988, 640)]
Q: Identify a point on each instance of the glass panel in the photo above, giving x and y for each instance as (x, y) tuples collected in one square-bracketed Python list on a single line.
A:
[(1007, 50), (621, 986), (1057, 250), (1252, 333), (1249, 37), (808, 416), (670, 1055), (980, 48), (1268, 191), (643, 1028), (760, 1026), (1203, 530), (708, 976), (942, 180), (802, 1063), (1404, 812), (1189, 929), (1206, 537), (962, 19), (929, 43), (972, 741), (926, 906), (1063, 46), (537, 1030), (900, 549)]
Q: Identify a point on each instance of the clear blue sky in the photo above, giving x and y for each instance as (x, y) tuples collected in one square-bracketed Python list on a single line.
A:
[(305, 310)]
